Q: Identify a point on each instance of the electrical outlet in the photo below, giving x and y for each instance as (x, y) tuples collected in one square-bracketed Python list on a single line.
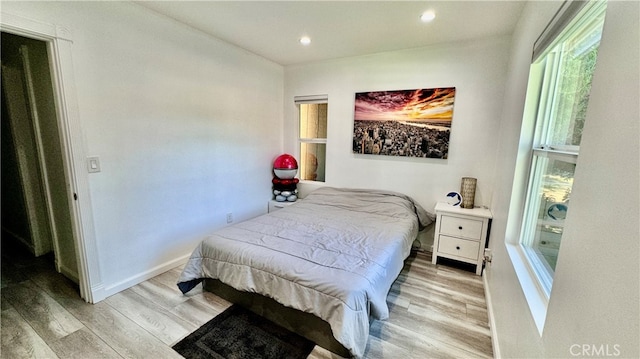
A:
[(488, 256), (229, 217)]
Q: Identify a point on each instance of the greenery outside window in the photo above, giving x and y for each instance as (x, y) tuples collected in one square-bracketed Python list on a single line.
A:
[(557, 99), (312, 112)]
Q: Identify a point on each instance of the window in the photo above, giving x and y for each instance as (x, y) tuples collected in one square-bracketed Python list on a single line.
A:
[(312, 112), (557, 99)]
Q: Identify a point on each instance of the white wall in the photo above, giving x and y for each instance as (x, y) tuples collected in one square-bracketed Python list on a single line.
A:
[(595, 296), (186, 128), (475, 69)]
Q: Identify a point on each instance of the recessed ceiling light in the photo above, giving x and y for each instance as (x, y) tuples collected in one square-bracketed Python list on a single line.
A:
[(428, 16), (305, 40)]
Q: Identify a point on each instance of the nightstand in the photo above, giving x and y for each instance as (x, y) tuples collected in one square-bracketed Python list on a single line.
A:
[(275, 205), (461, 234)]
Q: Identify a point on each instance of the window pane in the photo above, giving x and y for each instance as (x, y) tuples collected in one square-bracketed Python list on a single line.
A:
[(575, 61), (313, 120), (313, 157), (551, 192)]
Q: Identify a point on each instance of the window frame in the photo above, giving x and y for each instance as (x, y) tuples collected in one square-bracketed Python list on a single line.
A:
[(307, 100)]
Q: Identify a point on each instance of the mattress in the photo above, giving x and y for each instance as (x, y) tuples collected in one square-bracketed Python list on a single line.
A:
[(334, 254)]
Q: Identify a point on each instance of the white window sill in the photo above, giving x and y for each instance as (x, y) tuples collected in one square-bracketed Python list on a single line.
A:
[(536, 297)]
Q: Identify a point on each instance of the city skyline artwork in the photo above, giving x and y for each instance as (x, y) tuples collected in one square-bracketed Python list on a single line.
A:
[(410, 123)]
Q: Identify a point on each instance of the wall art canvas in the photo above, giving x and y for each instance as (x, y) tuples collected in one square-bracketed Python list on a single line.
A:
[(410, 123)]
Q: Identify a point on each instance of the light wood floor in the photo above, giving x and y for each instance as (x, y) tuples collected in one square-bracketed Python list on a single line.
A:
[(436, 312)]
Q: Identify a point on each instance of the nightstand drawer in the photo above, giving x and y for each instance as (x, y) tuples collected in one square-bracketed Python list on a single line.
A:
[(458, 247), (461, 227), (275, 205)]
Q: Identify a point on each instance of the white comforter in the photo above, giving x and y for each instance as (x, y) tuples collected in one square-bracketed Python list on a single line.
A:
[(334, 254)]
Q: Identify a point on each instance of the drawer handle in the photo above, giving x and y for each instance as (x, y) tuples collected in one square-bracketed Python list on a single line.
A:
[(458, 247), (460, 227)]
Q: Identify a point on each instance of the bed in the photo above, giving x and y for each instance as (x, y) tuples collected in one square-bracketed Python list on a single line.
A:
[(332, 255)]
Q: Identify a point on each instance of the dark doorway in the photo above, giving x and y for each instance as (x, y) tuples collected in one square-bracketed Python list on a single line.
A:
[(36, 215)]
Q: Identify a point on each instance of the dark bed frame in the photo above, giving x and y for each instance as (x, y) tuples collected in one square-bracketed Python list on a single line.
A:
[(302, 323)]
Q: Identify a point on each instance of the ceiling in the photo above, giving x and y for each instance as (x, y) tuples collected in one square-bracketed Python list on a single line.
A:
[(272, 29)]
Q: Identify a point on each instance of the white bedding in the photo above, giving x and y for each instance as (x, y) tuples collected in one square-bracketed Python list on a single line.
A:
[(334, 254)]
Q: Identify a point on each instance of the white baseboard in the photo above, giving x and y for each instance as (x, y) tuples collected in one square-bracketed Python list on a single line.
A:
[(97, 294), (492, 321), (141, 277)]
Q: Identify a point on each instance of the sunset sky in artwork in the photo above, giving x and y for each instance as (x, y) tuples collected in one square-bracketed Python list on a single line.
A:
[(423, 105)]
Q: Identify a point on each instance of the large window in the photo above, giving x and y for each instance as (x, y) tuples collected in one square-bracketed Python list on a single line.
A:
[(312, 112), (557, 99)]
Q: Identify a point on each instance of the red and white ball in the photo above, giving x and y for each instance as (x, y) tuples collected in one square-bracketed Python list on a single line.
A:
[(285, 166)]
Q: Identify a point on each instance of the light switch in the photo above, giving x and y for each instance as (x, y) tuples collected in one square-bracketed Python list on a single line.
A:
[(93, 164)]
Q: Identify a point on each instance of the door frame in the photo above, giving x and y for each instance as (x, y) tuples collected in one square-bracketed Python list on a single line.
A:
[(59, 47)]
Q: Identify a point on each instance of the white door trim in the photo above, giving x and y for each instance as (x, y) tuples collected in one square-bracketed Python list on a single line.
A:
[(59, 45)]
